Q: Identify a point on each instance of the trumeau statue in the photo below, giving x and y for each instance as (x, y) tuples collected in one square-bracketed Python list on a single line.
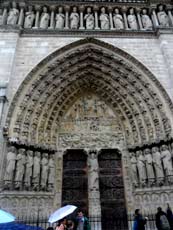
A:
[(118, 20), (1, 17), (158, 165), (29, 18), (146, 21), (51, 172), (44, 21), (10, 165), (149, 166), (93, 170), (167, 162), (36, 170), (13, 15), (134, 169), (89, 18), (162, 17), (131, 18), (29, 166), (74, 19), (44, 171), (20, 168), (141, 167), (60, 19), (104, 19)]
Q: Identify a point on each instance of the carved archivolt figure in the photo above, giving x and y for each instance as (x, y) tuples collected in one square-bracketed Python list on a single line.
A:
[(134, 169), (131, 18), (20, 168), (162, 17), (118, 20), (44, 21), (141, 167), (146, 21), (29, 18), (158, 165), (29, 166), (74, 19), (10, 165), (104, 19), (51, 172), (13, 15), (167, 162), (44, 171), (93, 170), (89, 18), (60, 19), (149, 166), (36, 170)]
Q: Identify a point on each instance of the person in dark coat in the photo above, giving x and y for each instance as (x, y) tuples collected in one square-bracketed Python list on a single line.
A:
[(169, 216), (81, 222), (139, 221), (162, 222)]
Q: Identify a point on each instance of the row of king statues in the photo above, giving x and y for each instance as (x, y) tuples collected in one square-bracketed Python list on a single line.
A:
[(152, 167), (29, 170), (88, 18)]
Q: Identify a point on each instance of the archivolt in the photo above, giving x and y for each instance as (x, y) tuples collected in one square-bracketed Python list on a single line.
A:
[(133, 93)]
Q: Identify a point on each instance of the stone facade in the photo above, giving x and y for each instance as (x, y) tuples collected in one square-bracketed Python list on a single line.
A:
[(96, 76)]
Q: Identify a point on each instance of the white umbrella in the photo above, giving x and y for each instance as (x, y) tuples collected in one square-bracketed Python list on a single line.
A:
[(61, 213), (6, 217)]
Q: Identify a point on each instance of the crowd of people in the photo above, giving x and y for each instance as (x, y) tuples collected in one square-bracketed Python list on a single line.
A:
[(79, 223), (163, 220)]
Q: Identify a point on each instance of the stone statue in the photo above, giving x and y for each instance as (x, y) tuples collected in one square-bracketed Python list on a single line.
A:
[(162, 17), (60, 19), (131, 18), (104, 19), (20, 168), (167, 162), (51, 173), (29, 166), (93, 171), (146, 21), (118, 20), (89, 18), (44, 171), (141, 168), (13, 15), (158, 165), (1, 17), (36, 171), (44, 21), (74, 19), (134, 169), (29, 18), (149, 166), (10, 166)]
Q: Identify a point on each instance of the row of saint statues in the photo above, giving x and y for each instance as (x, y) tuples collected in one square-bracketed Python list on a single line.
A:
[(29, 170), (86, 19), (152, 167)]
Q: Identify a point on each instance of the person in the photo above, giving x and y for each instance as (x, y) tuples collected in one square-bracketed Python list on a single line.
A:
[(169, 216), (61, 224), (82, 222), (50, 228), (162, 222), (139, 221), (70, 225)]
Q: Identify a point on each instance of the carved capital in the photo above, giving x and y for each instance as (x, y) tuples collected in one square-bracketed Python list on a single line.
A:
[(96, 8), (22, 5), (124, 9), (110, 9), (37, 7), (67, 8), (52, 8), (138, 10), (81, 8)]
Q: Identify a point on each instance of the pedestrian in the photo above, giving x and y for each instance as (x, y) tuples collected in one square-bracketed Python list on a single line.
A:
[(61, 224), (70, 225), (169, 216), (81, 221), (162, 222), (139, 221)]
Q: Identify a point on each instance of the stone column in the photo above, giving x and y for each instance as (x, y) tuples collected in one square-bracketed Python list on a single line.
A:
[(81, 10), (95, 8), (138, 10), (67, 10), (58, 178), (93, 188), (154, 17), (170, 15), (110, 18), (21, 15), (37, 17), (52, 17), (5, 12), (124, 11)]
